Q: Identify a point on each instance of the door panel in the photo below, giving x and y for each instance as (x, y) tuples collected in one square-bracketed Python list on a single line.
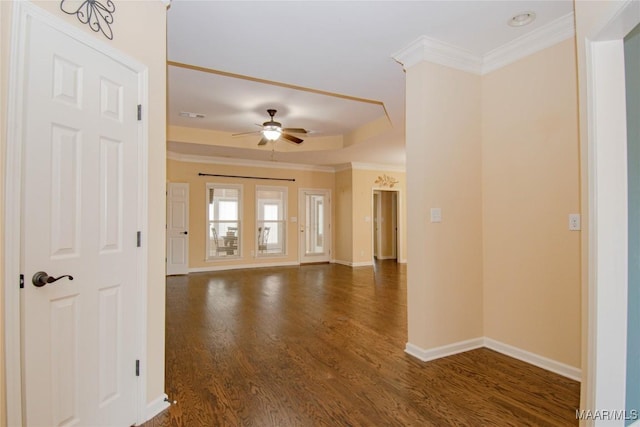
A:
[(177, 228), (79, 218), (314, 225)]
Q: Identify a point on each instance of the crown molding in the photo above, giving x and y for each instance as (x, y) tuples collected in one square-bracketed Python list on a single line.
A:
[(376, 167), (555, 32), (342, 167), (431, 50), (191, 158)]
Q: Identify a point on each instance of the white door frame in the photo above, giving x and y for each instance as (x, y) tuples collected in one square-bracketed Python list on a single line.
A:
[(398, 214), (377, 234), (606, 205), (23, 12), (328, 220)]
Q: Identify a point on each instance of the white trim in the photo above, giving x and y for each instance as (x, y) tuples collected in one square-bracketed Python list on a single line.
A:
[(374, 167), (191, 158), (353, 264), (328, 225), (143, 254), (553, 33), (285, 221), (342, 167), (24, 11), (402, 261), (156, 406), (399, 214), (12, 215), (386, 257), (427, 355), (207, 250), (431, 50), (605, 297), (534, 359), (559, 368), (438, 52), (362, 264), (242, 266)]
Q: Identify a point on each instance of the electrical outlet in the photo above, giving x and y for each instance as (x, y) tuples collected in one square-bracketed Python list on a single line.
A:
[(574, 222)]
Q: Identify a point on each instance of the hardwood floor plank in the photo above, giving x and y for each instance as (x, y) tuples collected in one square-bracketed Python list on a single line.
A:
[(323, 345)]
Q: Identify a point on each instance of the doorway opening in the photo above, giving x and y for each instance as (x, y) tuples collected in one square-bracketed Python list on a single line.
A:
[(385, 224)]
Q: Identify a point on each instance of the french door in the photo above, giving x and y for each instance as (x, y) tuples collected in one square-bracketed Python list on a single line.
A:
[(314, 225)]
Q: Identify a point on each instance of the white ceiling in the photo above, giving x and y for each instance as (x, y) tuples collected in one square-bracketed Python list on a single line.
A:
[(324, 65)]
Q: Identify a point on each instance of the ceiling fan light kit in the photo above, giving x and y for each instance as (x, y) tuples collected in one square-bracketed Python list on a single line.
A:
[(272, 131)]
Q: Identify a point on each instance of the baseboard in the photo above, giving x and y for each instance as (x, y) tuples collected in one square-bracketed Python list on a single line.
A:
[(402, 261), (534, 359), (444, 351), (156, 406), (242, 266), (353, 264), (362, 264), (386, 257), (559, 368)]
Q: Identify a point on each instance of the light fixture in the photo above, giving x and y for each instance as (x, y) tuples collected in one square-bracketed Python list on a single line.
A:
[(522, 19), (272, 130)]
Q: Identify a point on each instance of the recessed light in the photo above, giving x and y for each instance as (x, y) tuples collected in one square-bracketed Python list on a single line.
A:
[(191, 115), (522, 19)]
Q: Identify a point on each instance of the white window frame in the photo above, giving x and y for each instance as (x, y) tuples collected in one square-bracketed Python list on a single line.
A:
[(282, 223), (208, 249)]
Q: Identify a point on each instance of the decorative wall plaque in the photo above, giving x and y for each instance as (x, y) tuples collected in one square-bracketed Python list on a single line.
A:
[(386, 181), (98, 15)]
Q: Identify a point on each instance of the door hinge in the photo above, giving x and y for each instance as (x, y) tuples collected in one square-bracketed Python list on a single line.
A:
[(139, 111), (139, 238), (22, 281), (137, 368)]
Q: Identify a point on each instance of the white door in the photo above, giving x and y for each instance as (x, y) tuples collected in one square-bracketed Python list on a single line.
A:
[(80, 215), (314, 225), (177, 228)]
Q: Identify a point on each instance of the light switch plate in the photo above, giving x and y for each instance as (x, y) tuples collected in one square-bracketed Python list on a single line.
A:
[(436, 215), (574, 222)]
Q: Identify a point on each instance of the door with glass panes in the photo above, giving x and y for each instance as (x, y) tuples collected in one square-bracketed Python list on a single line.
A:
[(314, 225)]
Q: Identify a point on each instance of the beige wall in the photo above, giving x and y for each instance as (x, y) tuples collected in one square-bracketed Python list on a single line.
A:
[(444, 270), (140, 32), (530, 184), (178, 171), (343, 243), (499, 155)]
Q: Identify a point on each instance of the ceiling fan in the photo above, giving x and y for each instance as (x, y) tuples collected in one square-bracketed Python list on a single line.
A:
[(272, 131)]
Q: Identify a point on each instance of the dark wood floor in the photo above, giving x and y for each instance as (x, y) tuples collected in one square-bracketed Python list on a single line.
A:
[(322, 345)]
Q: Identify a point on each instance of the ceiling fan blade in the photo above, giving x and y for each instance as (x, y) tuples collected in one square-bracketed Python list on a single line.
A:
[(246, 133), (291, 138), (295, 130), (263, 141)]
